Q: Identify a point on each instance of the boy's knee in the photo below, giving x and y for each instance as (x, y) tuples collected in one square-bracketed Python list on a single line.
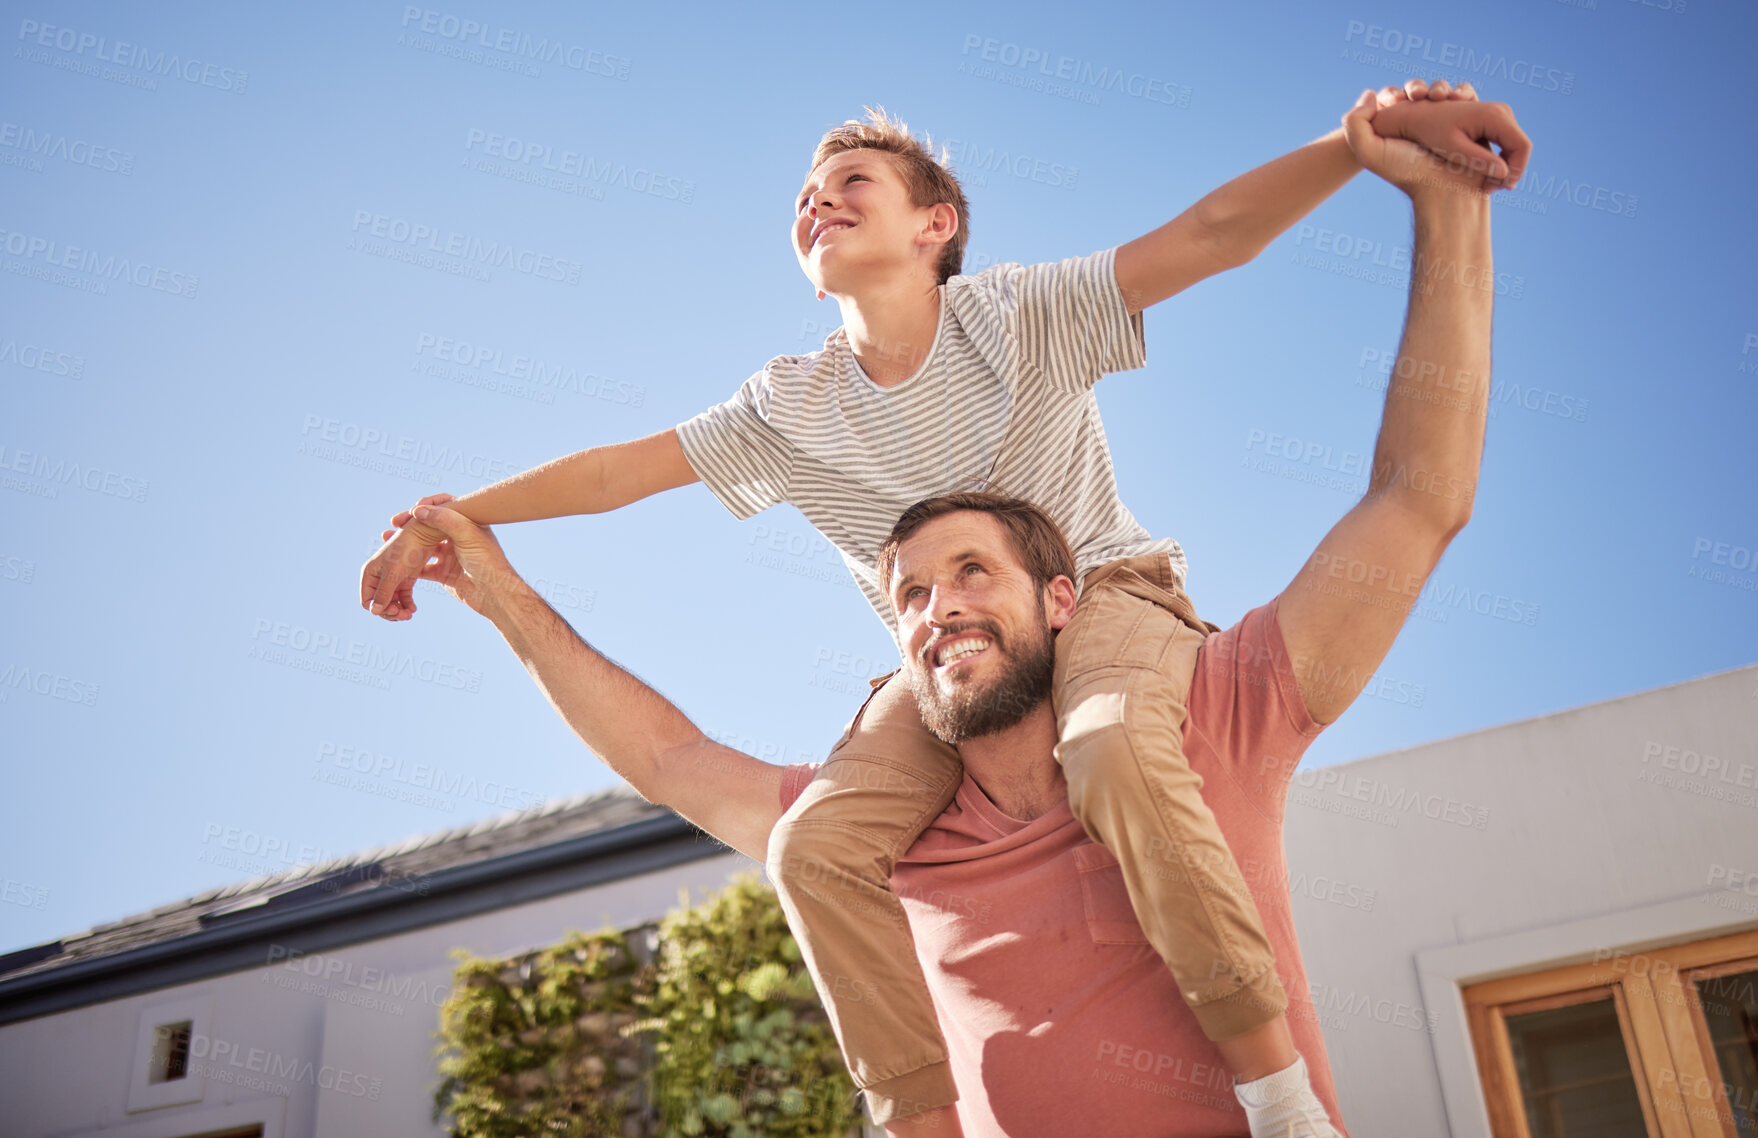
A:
[(1097, 762), (806, 856)]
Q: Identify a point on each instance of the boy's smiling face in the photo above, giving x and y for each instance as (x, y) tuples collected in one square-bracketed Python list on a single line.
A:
[(853, 221)]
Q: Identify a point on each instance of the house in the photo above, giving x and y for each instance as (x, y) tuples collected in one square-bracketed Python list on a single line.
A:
[(1557, 916), (304, 1003)]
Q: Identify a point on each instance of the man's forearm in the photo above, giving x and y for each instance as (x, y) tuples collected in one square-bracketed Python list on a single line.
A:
[(1430, 447), (625, 723), (1252, 210)]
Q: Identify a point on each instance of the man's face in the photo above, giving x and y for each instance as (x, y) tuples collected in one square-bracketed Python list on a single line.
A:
[(973, 631), (853, 216)]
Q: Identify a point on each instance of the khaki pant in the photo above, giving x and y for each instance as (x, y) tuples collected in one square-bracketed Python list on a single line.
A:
[(1123, 671)]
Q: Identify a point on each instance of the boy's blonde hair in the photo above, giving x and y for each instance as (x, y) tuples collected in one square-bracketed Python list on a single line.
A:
[(929, 181)]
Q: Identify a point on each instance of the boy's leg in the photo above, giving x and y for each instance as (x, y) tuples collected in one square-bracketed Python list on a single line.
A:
[(831, 857), (1123, 671)]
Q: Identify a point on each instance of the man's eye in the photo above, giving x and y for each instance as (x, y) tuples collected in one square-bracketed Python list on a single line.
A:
[(973, 567)]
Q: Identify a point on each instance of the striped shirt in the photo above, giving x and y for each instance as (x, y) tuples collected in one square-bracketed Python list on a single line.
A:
[(1003, 402)]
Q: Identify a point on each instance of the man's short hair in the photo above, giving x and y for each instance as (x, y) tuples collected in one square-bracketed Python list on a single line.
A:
[(1037, 541), (927, 180)]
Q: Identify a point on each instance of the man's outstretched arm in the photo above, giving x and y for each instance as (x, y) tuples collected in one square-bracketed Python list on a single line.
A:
[(1344, 609), (637, 732)]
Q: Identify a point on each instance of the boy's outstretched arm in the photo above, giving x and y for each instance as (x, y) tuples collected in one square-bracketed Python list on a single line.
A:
[(591, 481), (1234, 223)]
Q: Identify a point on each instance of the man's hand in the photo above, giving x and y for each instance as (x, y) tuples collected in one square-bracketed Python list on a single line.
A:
[(387, 580), (1459, 128), (469, 561)]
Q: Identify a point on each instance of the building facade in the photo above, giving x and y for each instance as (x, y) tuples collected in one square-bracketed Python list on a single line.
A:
[(1549, 927)]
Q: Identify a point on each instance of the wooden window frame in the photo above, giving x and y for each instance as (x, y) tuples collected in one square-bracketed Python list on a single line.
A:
[(1677, 1079)]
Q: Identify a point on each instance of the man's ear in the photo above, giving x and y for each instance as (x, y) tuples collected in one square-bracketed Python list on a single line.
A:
[(1059, 601)]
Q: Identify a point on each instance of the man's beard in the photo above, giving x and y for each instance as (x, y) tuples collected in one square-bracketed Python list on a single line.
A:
[(971, 710)]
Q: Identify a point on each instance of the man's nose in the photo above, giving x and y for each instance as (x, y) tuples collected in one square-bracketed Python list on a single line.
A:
[(943, 605)]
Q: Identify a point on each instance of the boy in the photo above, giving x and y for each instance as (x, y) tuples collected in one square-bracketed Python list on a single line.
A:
[(934, 383)]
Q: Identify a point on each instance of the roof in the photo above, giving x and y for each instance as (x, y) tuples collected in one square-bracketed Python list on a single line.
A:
[(559, 846)]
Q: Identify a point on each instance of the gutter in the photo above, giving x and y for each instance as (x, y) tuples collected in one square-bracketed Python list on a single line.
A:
[(241, 941)]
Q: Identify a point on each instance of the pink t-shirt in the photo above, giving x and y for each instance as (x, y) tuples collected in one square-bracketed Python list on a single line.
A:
[(1060, 1017)]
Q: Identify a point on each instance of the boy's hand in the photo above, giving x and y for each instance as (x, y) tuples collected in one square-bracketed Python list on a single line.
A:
[(387, 580), (1451, 124), (1417, 90), (408, 515)]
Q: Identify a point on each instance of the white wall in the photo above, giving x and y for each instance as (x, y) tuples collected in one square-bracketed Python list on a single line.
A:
[(1580, 850), (355, 1062)]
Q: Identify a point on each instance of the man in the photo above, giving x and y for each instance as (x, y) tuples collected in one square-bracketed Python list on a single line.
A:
[(1059, 1018)]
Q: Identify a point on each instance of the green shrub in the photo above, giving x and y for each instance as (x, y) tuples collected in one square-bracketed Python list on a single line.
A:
[(539, 1045), (720, 1035), (742, 1045)]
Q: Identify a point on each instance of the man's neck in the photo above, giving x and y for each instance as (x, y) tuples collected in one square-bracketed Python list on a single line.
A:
[(1017, 768), (891, 328)]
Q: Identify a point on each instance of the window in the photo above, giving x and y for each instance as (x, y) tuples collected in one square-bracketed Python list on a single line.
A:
[(170, 1058), (161, 1074), (1659, 1042)]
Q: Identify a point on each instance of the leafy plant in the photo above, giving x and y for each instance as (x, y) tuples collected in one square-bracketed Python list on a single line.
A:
[(721, 1034)]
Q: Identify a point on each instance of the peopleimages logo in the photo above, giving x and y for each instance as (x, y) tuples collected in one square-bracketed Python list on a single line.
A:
[(1084, 79), (76, 151), (534, 371), (970, 157), (255, 1068), (325, 435), (38, 358), (282, 642), (376, 233), (518, 49), (335, 972), (1395, 800), (425, 776), (41, 251), (149, 65), (574, 164), (53, 473), (1392, 47)]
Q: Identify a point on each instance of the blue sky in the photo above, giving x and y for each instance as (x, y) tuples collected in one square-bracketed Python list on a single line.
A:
[(235, 336)]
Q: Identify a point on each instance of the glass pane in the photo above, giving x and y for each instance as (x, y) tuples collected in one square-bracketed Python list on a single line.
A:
[(170, 1052), (1730, 1008), (1575, 1079)]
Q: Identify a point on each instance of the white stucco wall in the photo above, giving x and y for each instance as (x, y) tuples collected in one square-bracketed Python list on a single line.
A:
[(358, 1061), (1553, 838)]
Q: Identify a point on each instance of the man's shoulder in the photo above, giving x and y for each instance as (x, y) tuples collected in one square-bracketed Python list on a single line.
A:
[(1245, 692)]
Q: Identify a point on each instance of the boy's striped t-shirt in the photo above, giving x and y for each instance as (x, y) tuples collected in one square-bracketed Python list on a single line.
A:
[(1003, 402)]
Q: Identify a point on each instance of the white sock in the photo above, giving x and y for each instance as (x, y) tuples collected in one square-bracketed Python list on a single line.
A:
[(1282, 1105)]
